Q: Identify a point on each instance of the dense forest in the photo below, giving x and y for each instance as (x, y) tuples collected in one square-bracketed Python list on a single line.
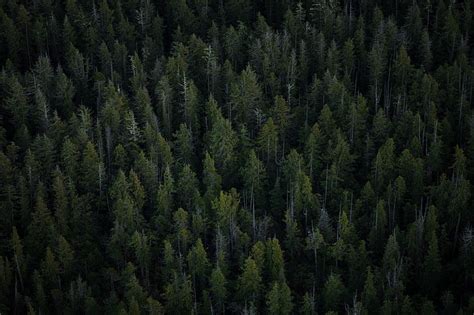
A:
[(236, 156)]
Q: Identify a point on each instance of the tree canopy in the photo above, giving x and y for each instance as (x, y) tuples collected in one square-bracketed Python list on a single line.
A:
[(236, 157)]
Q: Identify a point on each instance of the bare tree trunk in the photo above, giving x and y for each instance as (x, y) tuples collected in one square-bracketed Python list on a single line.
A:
[(19, 272)]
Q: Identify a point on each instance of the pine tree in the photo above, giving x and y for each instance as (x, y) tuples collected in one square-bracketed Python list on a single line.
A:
[(154, 307), (187, 191), (274, 260), (384, 164), (222, 141), (211, 179), (308, 307), (182, 233), (314, 242), (184, 145), (450, 33), (246, 96), (226, 208), (65, 255), (50, 269), (280, 114), (432, 266), (164, 155), (60, 203), (133, 290), (165, 193), (16, 102), (341, 160), (369, 295), (143, 108), (147, 177), (268, 140), (250, 282), (10, 35), (198, 264), (92, 170), (165, 94), (218, 284), (392, 265), (141, 245), (279, 300), (179, 295), (42, 230), (190, 106), (333, 292), (305, 200), (137, 191), (41, 111), (253, 176), (379, 226), (376, 69)]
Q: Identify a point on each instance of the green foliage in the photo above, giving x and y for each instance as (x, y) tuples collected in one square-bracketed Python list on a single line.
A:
[(274, 260), (42, 230), (197, 260), (333, 293), (218, 287), (279, 299), (211, 179), (222, 142), (268, 140), (369, 295), (250, 281), (217, 157), (187, 189), (179, 295)]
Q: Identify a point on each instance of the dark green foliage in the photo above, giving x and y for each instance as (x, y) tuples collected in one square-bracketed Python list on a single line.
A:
[(237, 156)]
